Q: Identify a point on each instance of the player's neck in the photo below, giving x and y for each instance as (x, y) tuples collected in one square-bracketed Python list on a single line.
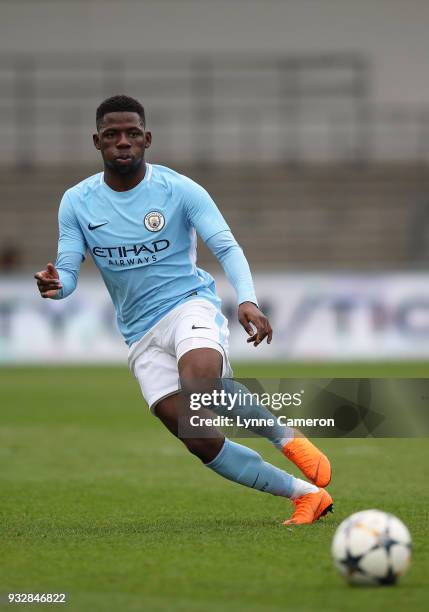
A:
[(124, 182)]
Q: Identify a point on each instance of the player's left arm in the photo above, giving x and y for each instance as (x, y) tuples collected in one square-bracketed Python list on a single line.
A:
[(204, 215), (230, 255)]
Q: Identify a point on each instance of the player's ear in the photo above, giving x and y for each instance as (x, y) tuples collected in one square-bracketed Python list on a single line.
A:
[(148, 139), (96, 141)]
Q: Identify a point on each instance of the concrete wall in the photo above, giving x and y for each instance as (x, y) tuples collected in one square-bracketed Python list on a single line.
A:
[(393, 33)]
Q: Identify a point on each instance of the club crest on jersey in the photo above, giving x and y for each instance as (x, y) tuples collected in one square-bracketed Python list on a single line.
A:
[(154, 221)]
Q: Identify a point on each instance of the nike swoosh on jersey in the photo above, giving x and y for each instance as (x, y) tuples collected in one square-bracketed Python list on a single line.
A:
[(93, 227), (195, 327)]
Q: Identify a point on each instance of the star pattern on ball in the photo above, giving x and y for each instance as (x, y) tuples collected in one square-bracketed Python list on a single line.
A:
[(351, 562)]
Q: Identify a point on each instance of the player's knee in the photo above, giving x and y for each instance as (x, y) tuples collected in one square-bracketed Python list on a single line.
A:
[(206, 449)]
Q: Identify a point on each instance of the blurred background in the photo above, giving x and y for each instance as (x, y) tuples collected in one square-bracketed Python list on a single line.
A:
[(306, 120)]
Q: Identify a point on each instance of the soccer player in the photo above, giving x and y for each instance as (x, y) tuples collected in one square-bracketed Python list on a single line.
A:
[(139, 223)]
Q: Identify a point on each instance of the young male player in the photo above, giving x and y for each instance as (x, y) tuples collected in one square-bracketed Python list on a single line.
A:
[(139, 222)]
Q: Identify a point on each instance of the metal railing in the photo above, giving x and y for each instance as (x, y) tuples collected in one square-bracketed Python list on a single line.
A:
[(207, 108)]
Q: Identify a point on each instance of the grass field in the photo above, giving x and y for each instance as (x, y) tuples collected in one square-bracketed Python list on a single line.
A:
[(100, 502)]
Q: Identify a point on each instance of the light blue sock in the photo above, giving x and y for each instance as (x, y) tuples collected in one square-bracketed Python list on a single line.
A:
[(245, 466), (248, 408)]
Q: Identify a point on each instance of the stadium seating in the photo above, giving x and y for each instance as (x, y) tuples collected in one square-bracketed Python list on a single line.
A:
[(329, 217)]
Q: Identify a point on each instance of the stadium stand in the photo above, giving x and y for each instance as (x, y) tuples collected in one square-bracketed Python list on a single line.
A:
[(328, 217), (309, 173)]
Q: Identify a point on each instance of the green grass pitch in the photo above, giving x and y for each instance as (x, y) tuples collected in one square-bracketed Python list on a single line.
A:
[(99, 501)]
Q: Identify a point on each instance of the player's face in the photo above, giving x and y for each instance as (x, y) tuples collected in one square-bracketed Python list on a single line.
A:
[(122, 141)]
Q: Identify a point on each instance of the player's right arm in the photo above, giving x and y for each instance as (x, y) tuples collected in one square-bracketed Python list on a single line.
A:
[(57, 282)]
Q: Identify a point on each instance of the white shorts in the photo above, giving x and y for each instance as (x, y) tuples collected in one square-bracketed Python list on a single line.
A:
[(153, 359)]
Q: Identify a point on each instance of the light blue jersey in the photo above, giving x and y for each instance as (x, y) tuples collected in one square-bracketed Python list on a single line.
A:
[(143, 241)]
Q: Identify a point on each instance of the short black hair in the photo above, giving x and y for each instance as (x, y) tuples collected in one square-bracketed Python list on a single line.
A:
[(119, 104)]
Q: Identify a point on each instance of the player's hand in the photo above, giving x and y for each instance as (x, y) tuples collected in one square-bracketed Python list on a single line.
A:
[(249, 315), (48, 281)]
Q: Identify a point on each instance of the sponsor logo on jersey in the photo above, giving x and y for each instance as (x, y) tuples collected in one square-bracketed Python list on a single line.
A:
[(131, 255), (154, 221)]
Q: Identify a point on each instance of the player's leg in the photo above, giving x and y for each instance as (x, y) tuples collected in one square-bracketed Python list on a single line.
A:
[(234, 461), (200, 324), (289, 441), (243, 465), (153, 361), (206, 449)]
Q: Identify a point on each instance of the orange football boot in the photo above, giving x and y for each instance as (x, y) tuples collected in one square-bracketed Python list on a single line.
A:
[(309, 459), (310, 508)]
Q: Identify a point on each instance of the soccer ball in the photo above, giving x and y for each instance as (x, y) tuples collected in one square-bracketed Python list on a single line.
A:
[(372, 548)]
